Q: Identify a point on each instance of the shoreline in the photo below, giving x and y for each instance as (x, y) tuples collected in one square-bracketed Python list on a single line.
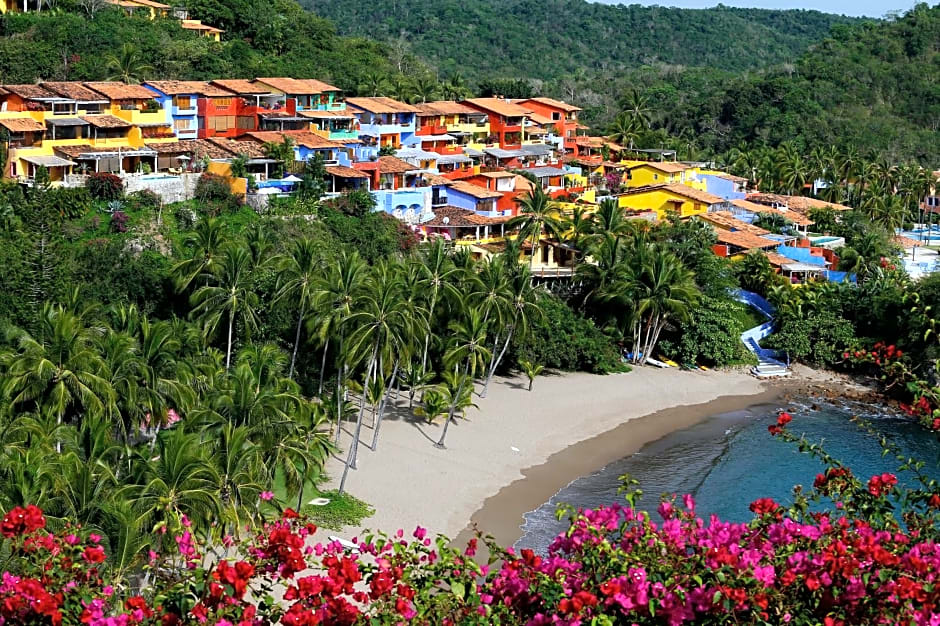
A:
[(519, 448), (502, 514)]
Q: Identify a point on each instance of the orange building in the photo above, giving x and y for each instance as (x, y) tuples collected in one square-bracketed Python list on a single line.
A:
[(507, 120), (563, 115)]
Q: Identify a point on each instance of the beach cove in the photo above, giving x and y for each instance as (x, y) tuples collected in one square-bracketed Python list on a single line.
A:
[(519, 448)]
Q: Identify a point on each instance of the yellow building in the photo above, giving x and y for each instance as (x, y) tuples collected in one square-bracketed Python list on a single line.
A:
[(645, 173), (204, 30), (151, 8), (673, 198)]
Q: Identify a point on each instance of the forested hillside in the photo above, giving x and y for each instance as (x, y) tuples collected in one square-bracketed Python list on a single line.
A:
[(873, 87), (548, 38), (262, 38)]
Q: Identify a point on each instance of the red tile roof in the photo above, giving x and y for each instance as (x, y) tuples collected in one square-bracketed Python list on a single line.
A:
[(345, 172), (745, 241), (30, 92), (381, 105), (298, 86), (241, 86), (197, 87), (555, 104), (106, 121), (443, 107), (451, 216), (75, 91), (474, 190), (498, 106), (121, 91), (394, 165), (22, 125)]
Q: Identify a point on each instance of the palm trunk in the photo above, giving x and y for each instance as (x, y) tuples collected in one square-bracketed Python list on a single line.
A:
[(450, 414), (293, 358), (326, 348), (228, 351), (340, 371), (497, 361), (303, 483), (372, 369), (378, 424), (427, 338), (353, 447)]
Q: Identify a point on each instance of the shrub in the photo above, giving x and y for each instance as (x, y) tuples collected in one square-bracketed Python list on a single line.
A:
[(819, 338), (214, 189), (69, 202), (561, 339), (144, 200), (852, 564), (105, 186), (712, 334), (119, 222)]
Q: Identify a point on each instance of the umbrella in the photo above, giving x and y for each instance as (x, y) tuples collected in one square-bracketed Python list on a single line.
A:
[(292, 179)]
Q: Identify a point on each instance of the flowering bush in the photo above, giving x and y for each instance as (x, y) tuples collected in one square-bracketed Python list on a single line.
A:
[(104, 186), (855, 564)]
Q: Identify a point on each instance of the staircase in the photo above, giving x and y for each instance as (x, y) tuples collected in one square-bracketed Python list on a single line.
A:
[(770, 363)]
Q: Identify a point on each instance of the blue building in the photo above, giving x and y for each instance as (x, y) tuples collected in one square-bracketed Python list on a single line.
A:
[(727, 187), (388, 122), (179, 99)]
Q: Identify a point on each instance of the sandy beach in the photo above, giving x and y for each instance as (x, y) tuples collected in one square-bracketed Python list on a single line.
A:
[(519, 448)]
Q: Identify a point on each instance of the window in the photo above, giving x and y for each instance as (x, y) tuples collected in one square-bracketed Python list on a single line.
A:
[(556, 116), (183, 102), (223, 102), (186, 124), (60, 108), (222, 122), (246, 122)]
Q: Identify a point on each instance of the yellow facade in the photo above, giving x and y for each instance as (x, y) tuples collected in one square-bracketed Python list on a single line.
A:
[(642, 174), (663, 202)]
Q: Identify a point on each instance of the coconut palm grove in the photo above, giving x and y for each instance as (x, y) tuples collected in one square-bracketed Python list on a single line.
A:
[(238, 238)]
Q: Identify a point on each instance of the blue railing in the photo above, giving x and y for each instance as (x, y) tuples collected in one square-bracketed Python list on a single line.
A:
[(752, 336)]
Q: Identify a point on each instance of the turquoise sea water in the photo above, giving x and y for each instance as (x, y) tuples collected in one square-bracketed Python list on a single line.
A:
[(728, 461)]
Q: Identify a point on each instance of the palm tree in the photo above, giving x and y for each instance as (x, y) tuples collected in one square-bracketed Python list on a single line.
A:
[(456, 395), (380, 326), (374, 84), (578, 228), (440, 274), (425, 88), (62, 374), (180, 480), (239, 469), (281, 152), (531, 370), (434, 403), (207, 240), (233, 296), (624, 130), (129, 66), (637, 108), (467, 352), (400, 88), (523, 309), (334, 298), (239, 166), (537, 213), (297, 275)]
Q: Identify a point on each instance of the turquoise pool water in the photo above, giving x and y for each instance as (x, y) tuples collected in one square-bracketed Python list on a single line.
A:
[(730, 460)]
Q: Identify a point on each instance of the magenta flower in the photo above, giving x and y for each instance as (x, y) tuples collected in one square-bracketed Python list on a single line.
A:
[(266, 495)]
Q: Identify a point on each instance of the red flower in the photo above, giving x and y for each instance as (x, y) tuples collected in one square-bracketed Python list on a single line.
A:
[(764, 506), (290, 513), (784, 418), (774, 430), (94, 554), (20, 521), (877, 485), (934, 501)]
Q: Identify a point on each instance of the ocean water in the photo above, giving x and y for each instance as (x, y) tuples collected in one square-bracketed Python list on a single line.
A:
[(727, 461)]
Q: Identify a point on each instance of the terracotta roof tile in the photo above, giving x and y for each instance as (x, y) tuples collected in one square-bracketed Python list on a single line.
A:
[(298, 86), (106, 121), (199, 148), (198, 25), (197, 87), (498, 106), (555, 104), (797, 218), (474, 190), (241, 86), (75, 91), (796, 203), (727, 221), (30, 92), (745, 241), (381, 105), (121, 91), (457, 217), (345, 172), (394, 165), (777, 259), (22, 125), (250, 149), (303, 138), (669, 167), (443, 107), (906, 242)]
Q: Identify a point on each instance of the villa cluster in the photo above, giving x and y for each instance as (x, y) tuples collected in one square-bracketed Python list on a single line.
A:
[(451, 168)]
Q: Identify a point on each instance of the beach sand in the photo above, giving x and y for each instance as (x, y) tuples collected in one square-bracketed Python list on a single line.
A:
[(519, 448)]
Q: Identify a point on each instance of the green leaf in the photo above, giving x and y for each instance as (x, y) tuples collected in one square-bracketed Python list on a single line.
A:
[(458, 589)]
